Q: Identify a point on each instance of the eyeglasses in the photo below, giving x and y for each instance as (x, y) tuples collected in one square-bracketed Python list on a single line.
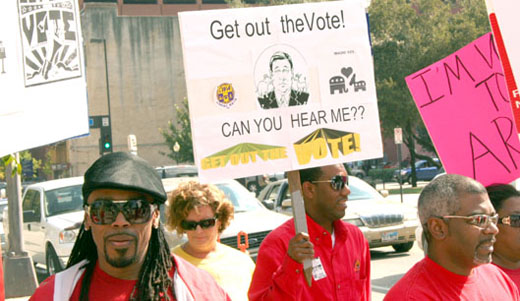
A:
[(480, 220), (337, 182), (105, 212), (511, 220), (204, 224)]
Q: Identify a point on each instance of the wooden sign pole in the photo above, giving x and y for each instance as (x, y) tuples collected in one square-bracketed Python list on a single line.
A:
[(300, 221)]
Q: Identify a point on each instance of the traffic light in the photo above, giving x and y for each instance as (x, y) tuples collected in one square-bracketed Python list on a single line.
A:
[(105, 141)]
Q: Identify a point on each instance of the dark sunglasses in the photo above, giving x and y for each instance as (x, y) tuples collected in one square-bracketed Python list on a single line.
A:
[(337, 182), (204, 224), (104, 212), (511, 220)]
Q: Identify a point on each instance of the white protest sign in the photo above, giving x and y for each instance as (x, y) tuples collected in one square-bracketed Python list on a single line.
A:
[(280, 88), (42, 77)]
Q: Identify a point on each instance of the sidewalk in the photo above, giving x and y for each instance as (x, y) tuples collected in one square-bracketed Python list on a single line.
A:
[(409, 199)]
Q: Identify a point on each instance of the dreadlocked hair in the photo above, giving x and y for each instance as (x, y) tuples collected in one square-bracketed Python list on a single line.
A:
[(84, 248), (154, 279)]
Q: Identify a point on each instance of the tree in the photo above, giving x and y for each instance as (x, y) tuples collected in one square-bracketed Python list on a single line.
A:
[(408, 35), (6, 160), (180, 133), (25, 156)]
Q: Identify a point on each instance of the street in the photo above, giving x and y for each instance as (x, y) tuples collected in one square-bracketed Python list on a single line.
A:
[(388, 267)]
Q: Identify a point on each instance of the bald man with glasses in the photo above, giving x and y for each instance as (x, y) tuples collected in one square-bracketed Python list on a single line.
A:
[(339, 252), (459, 228)]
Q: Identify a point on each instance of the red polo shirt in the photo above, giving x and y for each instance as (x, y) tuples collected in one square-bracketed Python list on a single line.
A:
[(346, 265), (427, 280)]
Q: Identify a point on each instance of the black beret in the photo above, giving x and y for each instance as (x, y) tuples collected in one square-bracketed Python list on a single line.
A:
[(122, 170)]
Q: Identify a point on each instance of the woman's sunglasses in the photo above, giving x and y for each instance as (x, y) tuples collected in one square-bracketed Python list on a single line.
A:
[(337, 182), (511, 220), (204, 224), (104, 212)]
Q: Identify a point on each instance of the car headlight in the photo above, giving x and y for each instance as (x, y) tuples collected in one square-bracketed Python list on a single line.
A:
[(67, 236), (356, 222)]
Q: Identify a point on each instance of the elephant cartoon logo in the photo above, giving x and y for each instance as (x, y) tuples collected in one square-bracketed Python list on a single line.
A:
[(338, 82)]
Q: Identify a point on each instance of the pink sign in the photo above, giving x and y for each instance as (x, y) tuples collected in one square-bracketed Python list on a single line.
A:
[(463, 100)]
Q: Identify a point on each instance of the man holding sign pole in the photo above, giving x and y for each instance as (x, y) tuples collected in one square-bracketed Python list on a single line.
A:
[(339, 252)]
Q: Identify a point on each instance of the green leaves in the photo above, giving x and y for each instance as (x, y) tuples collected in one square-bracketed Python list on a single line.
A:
[(179, 132), (410, 35), (7, 160)]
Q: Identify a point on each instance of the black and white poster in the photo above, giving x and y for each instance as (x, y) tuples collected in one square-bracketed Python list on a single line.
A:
[(43, 92), (50, 40)]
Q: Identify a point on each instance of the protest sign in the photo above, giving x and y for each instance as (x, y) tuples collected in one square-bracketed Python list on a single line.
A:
[(280, 88), (464, 104), (502, 16), (42, 77)]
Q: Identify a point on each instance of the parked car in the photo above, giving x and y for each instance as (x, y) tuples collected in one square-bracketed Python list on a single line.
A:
[(174, 171), (255, 183), (425, 171), (251, 217), (52, 214), (383, 223), (355, 169)]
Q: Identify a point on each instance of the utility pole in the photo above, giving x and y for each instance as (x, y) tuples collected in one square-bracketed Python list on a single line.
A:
[(106, 130), (18, 265), (398, 139)]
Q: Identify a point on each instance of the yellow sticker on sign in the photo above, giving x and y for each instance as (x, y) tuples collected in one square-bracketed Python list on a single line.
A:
[(324, 142)]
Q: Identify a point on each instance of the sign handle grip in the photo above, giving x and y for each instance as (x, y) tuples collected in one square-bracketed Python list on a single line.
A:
[(300, 221)]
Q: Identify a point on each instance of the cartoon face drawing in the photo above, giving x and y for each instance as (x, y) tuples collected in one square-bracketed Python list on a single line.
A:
[(281, 74), (282, 86)]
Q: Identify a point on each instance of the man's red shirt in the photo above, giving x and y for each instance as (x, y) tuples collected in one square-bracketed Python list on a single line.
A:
[(105, 287), (346, 265), (427, 280)]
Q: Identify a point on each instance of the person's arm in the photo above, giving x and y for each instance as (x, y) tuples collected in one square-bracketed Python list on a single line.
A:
[(279, 269), (368, 288)]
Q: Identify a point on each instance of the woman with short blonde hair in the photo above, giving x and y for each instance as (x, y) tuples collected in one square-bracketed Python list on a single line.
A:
[(202, 212)]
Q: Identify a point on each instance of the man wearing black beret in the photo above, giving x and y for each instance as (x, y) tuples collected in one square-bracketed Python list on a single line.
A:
[(121, 252)]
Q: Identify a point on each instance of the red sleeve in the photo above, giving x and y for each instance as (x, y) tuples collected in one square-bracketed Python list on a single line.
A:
[(368, 288), (45, 291), (276, 276)]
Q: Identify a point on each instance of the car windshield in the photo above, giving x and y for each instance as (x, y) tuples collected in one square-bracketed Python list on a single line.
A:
[(238, 195), (419, 164), (63, 200), (177, 171), (361, 190), (241, 198)]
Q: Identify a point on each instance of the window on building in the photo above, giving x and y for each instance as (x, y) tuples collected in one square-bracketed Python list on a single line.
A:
[(213, 1), (179, 1), (110, 1), (139, 1)]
